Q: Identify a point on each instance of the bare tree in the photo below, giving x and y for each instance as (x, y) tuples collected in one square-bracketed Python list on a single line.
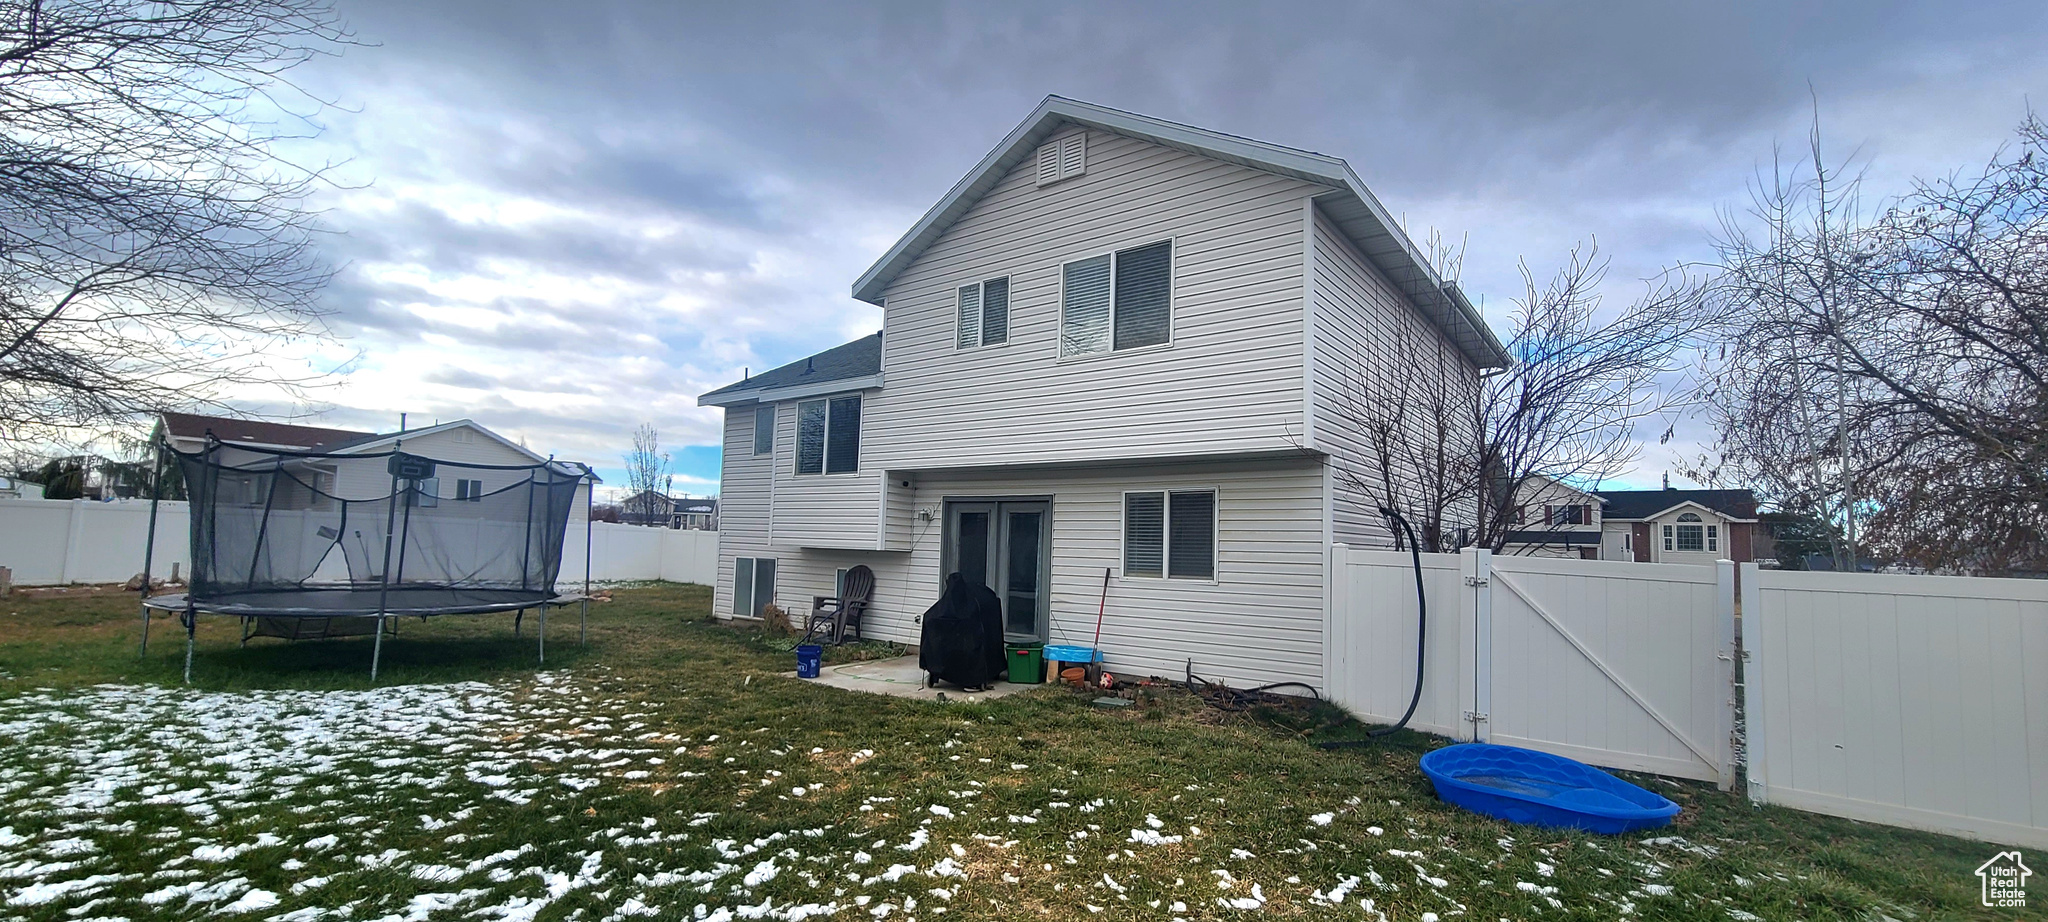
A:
[(647, 476), (154, 246), (1460, 459), (1892, 370)]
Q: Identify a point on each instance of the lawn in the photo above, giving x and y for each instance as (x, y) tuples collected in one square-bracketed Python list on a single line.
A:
[(667, 771)]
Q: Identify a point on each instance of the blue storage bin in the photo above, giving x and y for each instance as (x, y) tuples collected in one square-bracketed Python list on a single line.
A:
[(1057, 653)]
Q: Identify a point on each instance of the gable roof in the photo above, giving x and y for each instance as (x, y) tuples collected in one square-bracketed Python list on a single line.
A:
[(1348, 203), (846, 366), (1647, 504), (257, 432)]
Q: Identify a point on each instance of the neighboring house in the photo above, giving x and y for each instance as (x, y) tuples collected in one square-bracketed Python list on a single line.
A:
[(650, 507), (1554, 520), (1648, 526), (1678, 526), (1119, 348), (696, 514), (462, 440), (10, 488)]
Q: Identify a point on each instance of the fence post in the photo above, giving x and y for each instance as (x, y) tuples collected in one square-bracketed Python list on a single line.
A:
[(1754, 762), (74, 527), (1336, 639), (1724, 666), (1477, 611)]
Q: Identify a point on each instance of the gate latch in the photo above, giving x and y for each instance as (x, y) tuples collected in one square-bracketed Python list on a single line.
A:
[(1475, 716), (1475, 580)]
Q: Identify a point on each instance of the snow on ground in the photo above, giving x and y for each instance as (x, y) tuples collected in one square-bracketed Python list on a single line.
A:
[(497, 802)]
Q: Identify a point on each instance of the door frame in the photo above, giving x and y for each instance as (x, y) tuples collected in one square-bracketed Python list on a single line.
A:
[(948, 507)]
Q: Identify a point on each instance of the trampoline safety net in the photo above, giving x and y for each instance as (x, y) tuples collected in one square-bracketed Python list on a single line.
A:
[(311, 533)]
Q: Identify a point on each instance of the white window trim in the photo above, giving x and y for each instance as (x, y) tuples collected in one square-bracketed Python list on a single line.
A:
[(981, 313), (1172, 303), (825, 453), (1123, 535)]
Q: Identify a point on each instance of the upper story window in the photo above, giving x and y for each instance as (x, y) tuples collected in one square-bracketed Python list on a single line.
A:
[(1120, 300), (984, 313), (764, 430), (1577, 514), (1065, 158), (828, 435)]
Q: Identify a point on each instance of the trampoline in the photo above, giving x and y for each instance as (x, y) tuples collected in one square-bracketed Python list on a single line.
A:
[(307, 544)]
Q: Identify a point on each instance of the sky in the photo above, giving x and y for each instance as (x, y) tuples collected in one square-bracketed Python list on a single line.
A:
[(565, 220)]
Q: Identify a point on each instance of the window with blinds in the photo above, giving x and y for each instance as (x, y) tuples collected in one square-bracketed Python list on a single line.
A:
[(764, 430), (1170, 533), (984, 314), (1121, 300), (828, 435), (1065, 158)]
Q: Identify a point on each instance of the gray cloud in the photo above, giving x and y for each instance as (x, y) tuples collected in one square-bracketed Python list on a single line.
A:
[(579, 217)]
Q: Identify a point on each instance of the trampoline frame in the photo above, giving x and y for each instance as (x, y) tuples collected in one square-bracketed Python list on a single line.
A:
[(188, 608)]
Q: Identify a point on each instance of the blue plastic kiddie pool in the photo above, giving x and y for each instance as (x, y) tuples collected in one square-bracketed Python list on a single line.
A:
[(1526, 786)]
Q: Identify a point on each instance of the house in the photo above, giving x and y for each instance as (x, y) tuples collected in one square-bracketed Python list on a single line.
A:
[(699, 514), (1553, 519), (1649, 526), (1678, 526), (652, 507), (1110, 372), (12, 488), (460, 441)]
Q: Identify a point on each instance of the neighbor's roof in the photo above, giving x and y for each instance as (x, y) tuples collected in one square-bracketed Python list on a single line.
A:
[(1348, 203), (1643, 504), (256, 432), (846, 365)]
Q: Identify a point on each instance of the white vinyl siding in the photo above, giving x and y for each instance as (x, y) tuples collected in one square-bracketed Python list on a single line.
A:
[(822, 510), (984, 318), (1121, 300), (744, 499), (1231, 383), (1364, 327), (1259, 619)]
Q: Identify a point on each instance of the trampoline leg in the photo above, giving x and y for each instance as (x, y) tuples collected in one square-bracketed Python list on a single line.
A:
[(145, 631), (377, 650), (583, 623), (543, 634), (191, 633), (517, 617), (245, 632)]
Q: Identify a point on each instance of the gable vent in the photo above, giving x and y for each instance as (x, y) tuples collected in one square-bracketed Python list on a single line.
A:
[(1063, 159)]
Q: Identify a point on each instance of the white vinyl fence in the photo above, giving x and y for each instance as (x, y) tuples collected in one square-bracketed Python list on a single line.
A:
[(55, 542), (1619, 664), (1916, 701)]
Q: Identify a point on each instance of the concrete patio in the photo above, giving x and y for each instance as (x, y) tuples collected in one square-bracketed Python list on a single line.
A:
[(899, 676)]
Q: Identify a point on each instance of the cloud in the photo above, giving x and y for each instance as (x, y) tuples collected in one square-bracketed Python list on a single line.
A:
[(564, 221)]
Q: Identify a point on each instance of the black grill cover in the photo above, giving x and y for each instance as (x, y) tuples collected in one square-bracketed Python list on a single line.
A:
[(962, 641)]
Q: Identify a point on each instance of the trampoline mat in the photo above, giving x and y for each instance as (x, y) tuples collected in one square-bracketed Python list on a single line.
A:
[(343, 602)]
